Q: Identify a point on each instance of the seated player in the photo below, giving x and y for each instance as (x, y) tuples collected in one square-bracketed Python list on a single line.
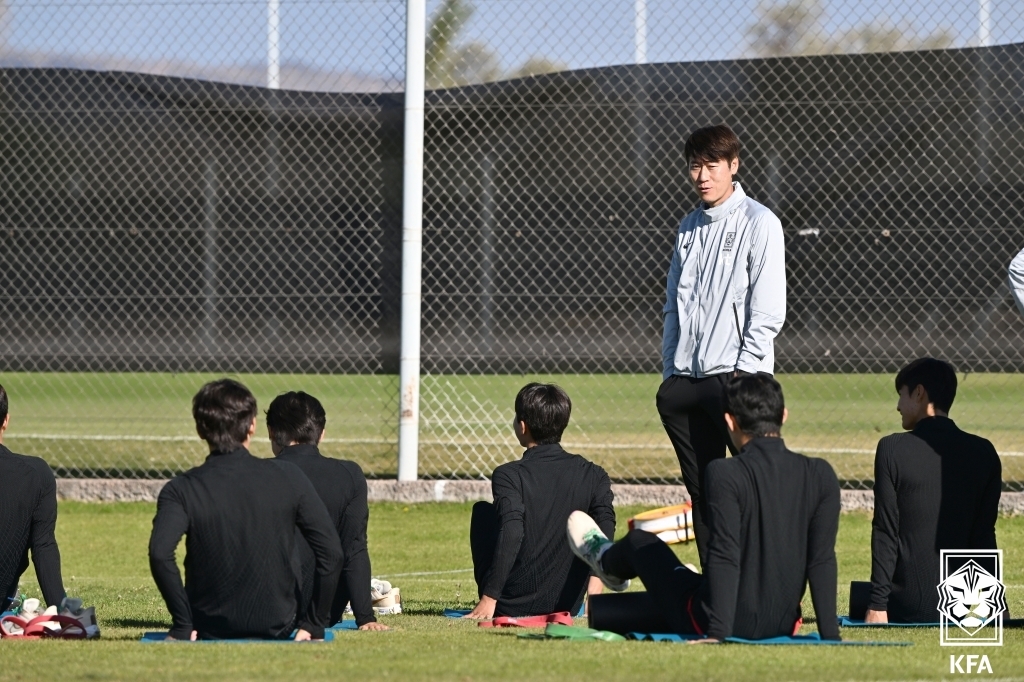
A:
[(936, 488), (28, 516), (520, 560), (239, 514), (295, 423), (773, 518)]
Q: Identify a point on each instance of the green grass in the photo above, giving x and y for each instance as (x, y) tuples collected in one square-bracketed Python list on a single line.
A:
[(103, 547), (68, 418)]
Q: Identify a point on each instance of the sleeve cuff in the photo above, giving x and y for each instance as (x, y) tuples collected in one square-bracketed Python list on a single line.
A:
[(182, 632), (363, 620), (315, 631)]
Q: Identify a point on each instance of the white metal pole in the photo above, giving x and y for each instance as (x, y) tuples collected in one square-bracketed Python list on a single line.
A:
[(412, 240), (640, 31), (984, 23), (273, 44)]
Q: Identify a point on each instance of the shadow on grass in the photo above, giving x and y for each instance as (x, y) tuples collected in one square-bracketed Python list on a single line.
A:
[(136, 623), (431, 608)]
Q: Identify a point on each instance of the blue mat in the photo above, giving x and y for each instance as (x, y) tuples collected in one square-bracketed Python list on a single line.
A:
[(344, 625), (795, 640), (459, 613), (161, 638), (848, 623)]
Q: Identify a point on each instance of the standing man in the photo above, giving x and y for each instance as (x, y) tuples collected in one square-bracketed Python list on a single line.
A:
[(725, 304), (1017, 280)]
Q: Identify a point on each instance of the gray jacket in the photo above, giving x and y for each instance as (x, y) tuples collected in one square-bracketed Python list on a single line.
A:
[(726, 297), (1017, 280)]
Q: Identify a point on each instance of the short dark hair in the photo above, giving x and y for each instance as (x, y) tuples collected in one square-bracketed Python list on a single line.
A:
[(224, 410), (3, 404), (296, 417), (937, 377), (756, 402), (545, 408), (713, 143)]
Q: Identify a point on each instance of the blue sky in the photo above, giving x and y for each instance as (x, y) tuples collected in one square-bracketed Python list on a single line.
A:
[(366, 37)]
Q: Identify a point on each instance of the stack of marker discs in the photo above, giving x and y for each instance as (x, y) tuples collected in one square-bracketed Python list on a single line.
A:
[(671, 524)]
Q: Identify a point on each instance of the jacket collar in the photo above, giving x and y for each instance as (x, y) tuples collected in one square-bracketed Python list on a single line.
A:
[(219, 456), (934, 424), (301, 450), (727, 208), (766, 445), (544, 451)]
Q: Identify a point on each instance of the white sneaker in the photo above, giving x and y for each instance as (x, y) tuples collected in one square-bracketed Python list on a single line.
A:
[(379, 589), (29, 608), (390, 604), (589, 543)]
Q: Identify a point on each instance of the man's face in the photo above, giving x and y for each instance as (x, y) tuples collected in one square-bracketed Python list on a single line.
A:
[(912, 406), (713, 179), (519, 426)]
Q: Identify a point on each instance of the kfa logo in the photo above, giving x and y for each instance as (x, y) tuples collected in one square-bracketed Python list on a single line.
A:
[(971, 663), (972, 598), (730, 239)]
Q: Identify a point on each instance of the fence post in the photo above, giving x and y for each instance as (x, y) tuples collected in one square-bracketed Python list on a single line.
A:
[(412, 239)]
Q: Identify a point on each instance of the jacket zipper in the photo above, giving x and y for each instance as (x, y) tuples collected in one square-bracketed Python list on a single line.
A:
[(736, 316)]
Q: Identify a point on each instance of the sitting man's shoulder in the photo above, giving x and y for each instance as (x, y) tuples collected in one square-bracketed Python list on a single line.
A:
[(36, 464), (895, 443), (350, 467), (977, 443), (30, 468), (288, 469)]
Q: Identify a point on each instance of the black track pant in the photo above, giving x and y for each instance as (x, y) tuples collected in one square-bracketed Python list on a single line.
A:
[(676, 589), (483, 540), (9, 594), (693, 413)]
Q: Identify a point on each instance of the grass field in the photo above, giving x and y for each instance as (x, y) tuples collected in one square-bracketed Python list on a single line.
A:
[(103, 547), (142, 421)]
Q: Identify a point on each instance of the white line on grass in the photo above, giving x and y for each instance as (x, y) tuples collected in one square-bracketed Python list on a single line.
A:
[(165, 439), (421, 573), (370, 441)]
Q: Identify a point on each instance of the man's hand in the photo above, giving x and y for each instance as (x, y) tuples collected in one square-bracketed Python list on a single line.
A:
[(303, 636), (705, 640), (873, 616), (484, 610), (365, 627)]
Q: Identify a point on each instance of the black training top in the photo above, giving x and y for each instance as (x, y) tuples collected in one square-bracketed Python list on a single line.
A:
[(239, 514), (772, 517), (341, 486), (28, 516), (936, 488), (534, 570)]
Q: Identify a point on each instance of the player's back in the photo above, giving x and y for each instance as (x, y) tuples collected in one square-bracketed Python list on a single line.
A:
[(774, 514)]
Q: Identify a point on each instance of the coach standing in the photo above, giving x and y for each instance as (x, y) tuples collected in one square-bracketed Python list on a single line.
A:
[(725, 304), (1017, 280)]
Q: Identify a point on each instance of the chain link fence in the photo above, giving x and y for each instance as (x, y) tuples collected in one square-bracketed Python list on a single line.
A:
[(168, 217)]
